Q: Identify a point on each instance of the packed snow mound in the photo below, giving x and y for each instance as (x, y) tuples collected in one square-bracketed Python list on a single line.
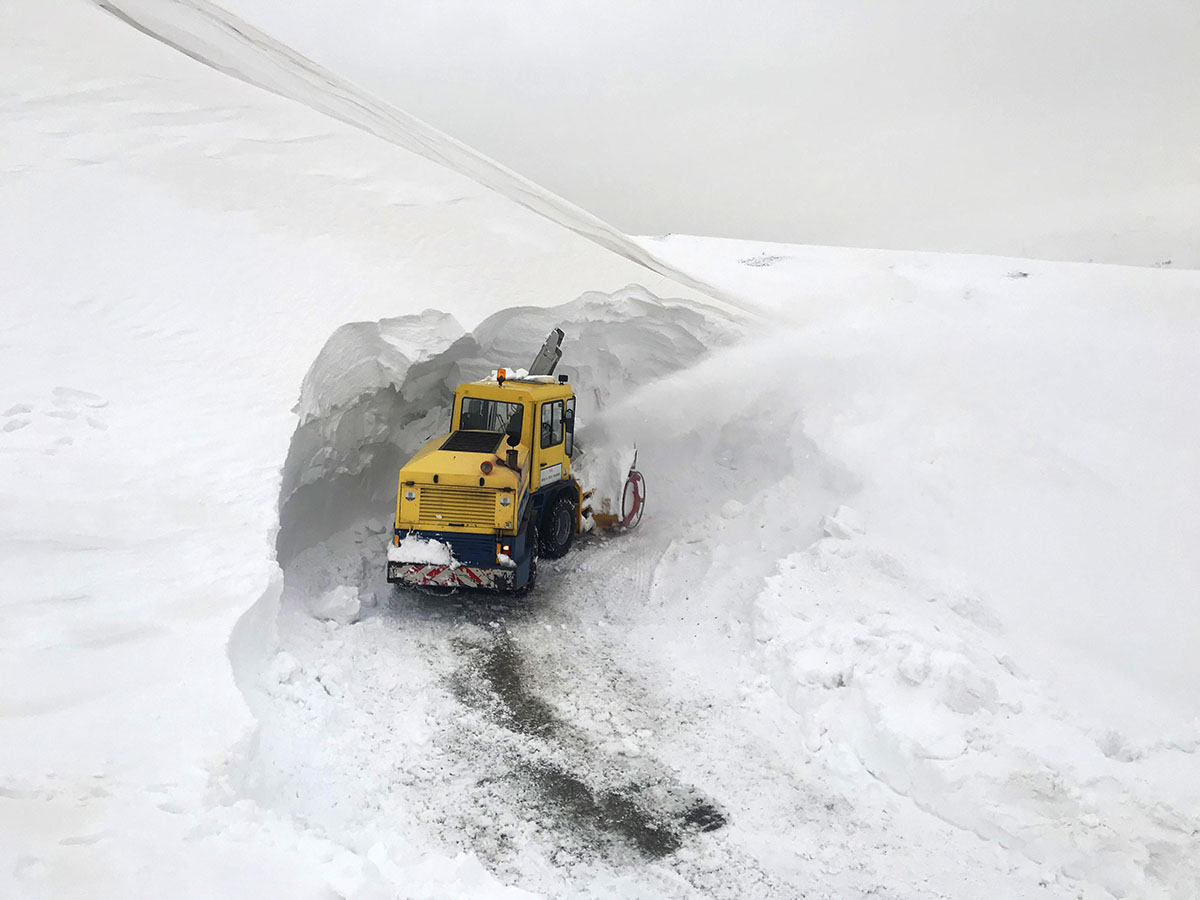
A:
[(379, 391)]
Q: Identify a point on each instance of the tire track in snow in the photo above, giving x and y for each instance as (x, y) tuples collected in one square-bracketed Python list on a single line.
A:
[(642, 804)]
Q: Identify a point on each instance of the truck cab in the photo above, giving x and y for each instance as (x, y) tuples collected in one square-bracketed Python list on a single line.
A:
[(476, 506)]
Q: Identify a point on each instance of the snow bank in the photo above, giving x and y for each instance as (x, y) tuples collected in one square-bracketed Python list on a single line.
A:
[(914, 677), (363, 355)]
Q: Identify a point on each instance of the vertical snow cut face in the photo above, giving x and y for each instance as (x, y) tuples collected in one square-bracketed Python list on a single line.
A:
[(378, 391)]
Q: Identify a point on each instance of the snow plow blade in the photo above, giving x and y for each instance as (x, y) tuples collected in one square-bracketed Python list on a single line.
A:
[(633, 499)]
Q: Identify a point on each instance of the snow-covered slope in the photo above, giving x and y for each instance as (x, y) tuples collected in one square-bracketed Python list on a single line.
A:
[(808, 673), (218, 38)]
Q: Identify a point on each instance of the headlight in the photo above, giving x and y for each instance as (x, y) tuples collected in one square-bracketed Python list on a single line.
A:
[(505, 500), (410, 495)]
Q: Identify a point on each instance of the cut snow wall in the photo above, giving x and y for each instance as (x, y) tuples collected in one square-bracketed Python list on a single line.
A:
[(379, 391)]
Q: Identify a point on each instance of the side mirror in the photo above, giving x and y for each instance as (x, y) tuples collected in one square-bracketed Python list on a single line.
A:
[(511, 459), (515, 424)]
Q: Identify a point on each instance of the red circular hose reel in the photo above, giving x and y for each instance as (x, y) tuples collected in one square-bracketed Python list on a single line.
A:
[(633, 496)]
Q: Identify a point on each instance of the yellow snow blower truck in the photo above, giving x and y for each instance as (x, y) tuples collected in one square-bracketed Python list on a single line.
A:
[(475, 507)]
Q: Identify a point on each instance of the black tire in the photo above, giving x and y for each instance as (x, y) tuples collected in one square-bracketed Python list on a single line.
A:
[(556, 529)]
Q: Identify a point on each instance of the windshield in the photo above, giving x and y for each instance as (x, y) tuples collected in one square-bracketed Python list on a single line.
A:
[(489, 415)]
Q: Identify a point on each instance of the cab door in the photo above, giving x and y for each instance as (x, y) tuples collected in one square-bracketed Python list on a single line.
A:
[(551, 439)]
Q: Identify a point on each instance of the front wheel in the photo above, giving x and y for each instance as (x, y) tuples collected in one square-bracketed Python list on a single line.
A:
[(557, 528)]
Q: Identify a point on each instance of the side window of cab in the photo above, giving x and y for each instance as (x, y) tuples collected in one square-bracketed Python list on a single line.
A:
[(552, 424), (569, 426)]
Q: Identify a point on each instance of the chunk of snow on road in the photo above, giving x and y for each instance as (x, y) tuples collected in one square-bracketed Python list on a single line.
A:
[(845, 523), (341, 605), (284, 668)]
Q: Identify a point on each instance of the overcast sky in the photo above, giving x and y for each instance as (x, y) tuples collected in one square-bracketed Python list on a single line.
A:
[(937, 124)]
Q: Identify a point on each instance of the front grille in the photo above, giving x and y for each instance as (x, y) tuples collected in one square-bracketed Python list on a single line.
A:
[(443, 505)]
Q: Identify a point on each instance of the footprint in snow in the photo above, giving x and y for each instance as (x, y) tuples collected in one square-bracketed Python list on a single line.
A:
[(68, 405), (81, 405)]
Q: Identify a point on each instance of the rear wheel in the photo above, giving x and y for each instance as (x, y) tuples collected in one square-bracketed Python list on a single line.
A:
[(557, 527)]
